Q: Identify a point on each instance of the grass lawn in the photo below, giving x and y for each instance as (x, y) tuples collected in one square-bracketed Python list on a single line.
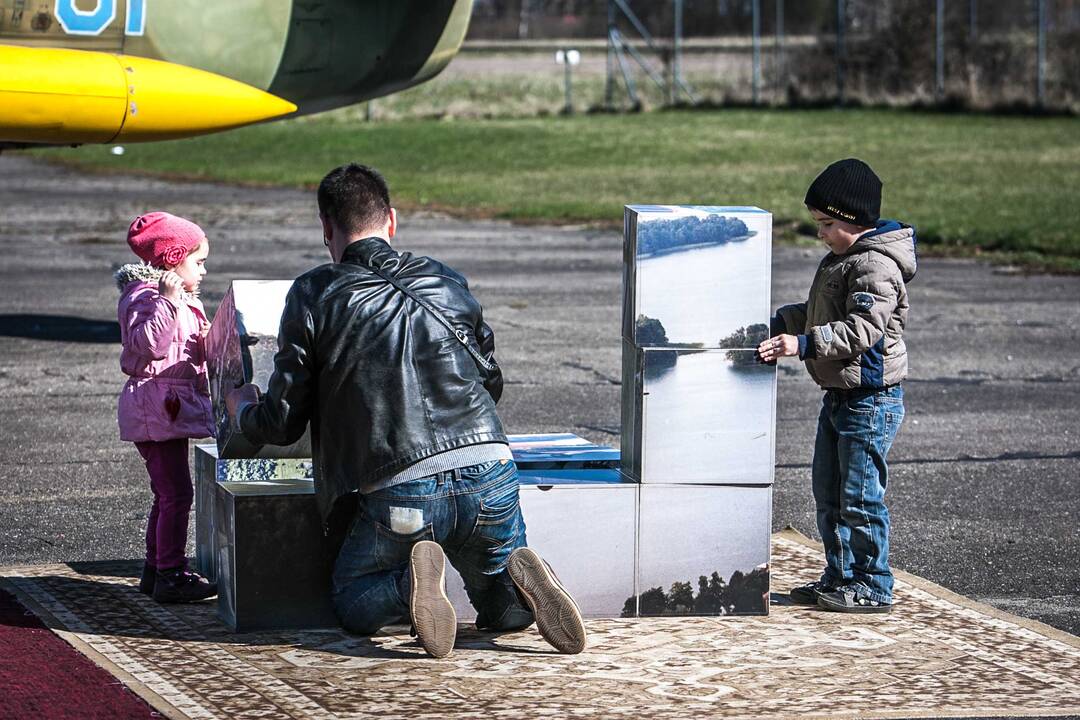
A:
[(969, 183)]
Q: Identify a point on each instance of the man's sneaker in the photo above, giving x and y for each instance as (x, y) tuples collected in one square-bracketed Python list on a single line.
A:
[(808, 594), (432, 614), (557, 616), (146, 582), (851, 600), (180, 585)]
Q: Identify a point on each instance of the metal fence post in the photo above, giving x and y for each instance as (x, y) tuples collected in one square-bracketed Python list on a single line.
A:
[(676, 54), (609, 82), (779, 48), (939, 53), (973, 19), (841, 22), (1040, 84), (757, 52)]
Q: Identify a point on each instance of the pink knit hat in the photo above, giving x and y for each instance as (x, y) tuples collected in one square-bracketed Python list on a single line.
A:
[(161, 239)]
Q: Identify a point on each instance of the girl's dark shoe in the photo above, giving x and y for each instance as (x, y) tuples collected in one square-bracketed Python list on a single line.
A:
[(180, 585), (146, 582), (851, 600), (808, 594)]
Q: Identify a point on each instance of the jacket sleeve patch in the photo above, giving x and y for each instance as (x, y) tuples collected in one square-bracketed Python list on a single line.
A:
[(863, 301), (826, 334)]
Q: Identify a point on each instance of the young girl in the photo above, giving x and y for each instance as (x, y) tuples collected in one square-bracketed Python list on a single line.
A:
[(167, 398)]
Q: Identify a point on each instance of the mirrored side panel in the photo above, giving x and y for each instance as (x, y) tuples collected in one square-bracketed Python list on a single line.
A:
[(240, 348)]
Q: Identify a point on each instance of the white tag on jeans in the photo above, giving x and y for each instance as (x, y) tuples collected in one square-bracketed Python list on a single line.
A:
[(406, 521)]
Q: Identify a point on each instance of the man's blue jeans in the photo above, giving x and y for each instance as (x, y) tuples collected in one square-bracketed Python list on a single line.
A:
[(855, 430), (472, 512)]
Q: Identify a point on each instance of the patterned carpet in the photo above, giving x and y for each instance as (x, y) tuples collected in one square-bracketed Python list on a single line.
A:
[(936, 655)]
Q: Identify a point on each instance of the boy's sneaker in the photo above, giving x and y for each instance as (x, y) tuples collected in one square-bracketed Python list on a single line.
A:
[(557, 615), (146, 582), (849, 599), (433, 616), (808, 594), (180, 585)]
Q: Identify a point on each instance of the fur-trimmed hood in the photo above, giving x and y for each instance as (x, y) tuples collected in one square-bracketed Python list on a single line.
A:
[(136, 272), (142, 272)]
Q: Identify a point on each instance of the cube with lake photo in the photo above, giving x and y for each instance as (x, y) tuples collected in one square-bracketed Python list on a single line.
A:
[(702, 416), (696, 275), (703, 550)]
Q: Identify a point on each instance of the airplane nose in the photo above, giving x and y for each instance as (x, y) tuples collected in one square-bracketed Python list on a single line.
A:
[(61, 96)]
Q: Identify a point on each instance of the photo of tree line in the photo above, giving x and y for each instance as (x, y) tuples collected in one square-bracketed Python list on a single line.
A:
[(742, 594), (650, 332), (659, 237)]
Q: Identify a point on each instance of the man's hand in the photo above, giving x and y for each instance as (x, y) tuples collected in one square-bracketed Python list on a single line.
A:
[(778, 347), (248, 393), (171, 286)]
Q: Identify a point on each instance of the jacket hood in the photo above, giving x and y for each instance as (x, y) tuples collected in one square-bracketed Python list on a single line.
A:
[(141, 272), (136, 272), (896, 241)]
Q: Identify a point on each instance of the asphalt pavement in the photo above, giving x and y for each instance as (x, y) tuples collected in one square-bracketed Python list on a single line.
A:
[(984, 471)]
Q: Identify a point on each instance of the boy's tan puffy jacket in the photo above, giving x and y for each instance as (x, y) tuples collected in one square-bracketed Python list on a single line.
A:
[(855, 314)]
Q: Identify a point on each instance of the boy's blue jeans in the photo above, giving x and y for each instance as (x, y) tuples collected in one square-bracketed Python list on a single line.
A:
[(855, 430), (472, 512)]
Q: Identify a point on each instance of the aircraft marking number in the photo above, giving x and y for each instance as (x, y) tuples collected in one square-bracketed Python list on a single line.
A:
[(93, 22)]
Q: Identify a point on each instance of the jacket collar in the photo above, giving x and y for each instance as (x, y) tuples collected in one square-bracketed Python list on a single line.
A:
[(361, 251)]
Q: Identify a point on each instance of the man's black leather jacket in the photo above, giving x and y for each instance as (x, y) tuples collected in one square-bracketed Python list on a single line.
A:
[(384, 383)]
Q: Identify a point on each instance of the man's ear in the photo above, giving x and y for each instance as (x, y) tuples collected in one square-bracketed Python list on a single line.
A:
[(327, 228), (391, 227)]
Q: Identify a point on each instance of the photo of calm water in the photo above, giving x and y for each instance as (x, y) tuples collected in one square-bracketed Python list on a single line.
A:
[(703, 294), (708, 419)]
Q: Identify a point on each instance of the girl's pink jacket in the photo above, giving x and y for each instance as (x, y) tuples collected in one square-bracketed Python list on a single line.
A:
[(167, 395)]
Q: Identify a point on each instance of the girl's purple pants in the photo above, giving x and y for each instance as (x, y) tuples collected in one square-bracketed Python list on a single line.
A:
[(170, 481)]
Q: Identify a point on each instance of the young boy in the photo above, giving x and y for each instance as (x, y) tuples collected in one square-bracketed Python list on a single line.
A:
[(849, 333)]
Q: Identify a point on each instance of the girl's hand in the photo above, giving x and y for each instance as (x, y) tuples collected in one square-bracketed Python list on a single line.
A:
[(778, 347), (204, 328), (171, 286)]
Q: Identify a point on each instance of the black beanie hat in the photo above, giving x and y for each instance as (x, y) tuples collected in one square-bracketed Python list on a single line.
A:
[(847, 190)]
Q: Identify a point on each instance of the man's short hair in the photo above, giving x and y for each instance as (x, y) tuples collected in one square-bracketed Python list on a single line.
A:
[(355, 198)]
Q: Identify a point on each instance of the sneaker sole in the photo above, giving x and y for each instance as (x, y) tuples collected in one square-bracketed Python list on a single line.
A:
[(854, 609), (557, 616), (432, 614)]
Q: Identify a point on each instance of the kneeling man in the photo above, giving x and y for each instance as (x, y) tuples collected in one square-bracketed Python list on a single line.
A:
[(388, 356)]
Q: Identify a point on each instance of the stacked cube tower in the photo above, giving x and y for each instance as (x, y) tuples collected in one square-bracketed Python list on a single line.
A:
[(698, 408)]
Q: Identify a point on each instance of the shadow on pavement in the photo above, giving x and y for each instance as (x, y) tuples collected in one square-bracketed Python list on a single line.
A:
[(59, 327)]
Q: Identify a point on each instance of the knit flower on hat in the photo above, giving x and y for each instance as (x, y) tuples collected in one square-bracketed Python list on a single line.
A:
[(174, 256)]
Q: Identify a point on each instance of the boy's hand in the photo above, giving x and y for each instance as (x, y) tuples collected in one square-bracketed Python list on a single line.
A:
[(777, 347), (171, 286)]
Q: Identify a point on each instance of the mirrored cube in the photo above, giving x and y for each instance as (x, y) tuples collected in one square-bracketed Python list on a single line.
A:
[(583, 523), (210, 470), (240, 348), (704, 550), (274, 562), (700, 416), (696, 276)]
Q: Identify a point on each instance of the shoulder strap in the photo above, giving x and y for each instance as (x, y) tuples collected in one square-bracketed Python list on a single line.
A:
[(461, 335)]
